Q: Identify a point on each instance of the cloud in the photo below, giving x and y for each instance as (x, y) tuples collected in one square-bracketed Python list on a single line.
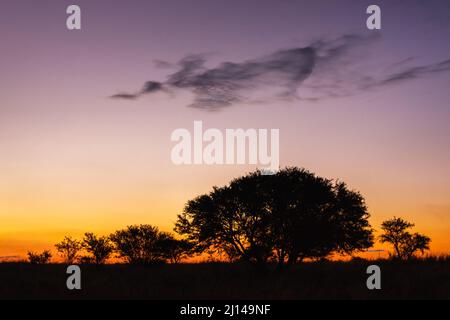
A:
[(416, 72), (162, 64), (9, 258), (322, 69), (127, 96), (149, 86)]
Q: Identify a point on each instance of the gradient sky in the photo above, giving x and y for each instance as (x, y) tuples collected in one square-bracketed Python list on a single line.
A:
[(73, 160)]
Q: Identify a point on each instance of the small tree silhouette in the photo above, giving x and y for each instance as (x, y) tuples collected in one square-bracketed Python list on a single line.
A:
[(86, 260), (139, 244), (405, 244), (175, 250), (39, 258), (68, 249), (100, 248)]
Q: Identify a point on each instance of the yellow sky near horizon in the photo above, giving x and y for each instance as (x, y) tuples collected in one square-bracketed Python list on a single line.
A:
[(111, 210)]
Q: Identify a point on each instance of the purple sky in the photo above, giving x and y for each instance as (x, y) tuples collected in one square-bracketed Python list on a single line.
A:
[(73, 159)]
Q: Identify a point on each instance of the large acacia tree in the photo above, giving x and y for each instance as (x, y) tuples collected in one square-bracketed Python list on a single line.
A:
[(285, 217)]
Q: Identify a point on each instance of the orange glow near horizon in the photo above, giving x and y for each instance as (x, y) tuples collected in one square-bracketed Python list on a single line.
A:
[(104, 212)]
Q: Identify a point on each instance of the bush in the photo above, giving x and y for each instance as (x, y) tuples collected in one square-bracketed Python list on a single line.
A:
[(69, 248), (39, 258), (140, 244), (100, 248)]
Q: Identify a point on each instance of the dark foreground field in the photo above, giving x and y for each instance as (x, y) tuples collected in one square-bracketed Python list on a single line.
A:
[(424, 279)]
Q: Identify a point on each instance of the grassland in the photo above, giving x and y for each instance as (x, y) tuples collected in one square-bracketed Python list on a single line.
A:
[(417, 279)]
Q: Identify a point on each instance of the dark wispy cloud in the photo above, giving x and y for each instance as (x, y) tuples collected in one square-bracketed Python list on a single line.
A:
[(416, 72), (323, 69)]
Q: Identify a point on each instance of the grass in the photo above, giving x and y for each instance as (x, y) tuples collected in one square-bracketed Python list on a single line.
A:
[(427, 278)]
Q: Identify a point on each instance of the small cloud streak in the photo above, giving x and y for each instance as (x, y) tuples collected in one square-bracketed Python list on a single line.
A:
[(9, 258), (417, 72)]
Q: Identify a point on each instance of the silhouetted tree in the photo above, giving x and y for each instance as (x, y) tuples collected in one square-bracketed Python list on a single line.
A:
[(405, 244), (39, 258), (287, 217), (99, 247), (86, 260), (139, 244), (314, 217), (174, 250), (69, 248)]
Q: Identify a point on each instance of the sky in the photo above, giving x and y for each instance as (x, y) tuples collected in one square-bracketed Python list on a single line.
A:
[(84, 148)]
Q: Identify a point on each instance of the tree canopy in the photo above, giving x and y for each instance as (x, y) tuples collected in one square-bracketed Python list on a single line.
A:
[(100, 248), (285, 217), (146, 244), (68, 248), (405, 244)]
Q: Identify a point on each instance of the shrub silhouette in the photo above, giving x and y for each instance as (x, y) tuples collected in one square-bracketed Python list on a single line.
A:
[(68, 249), (86, 260), (286, 217), (175, 250), (140, 244), (39, 258), (405, 244), (100, 248)]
